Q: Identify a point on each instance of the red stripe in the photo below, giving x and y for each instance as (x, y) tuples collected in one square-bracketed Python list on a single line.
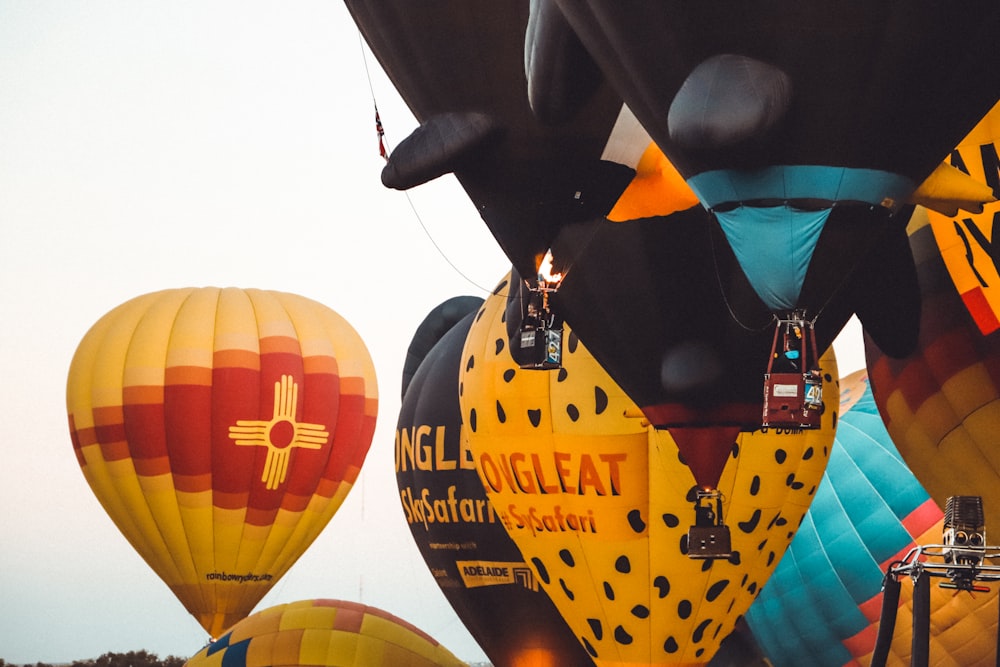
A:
[(979, 307)]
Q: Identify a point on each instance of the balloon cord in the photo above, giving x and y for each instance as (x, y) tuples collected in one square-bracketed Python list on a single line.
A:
[(722, 289), (887, 621), (920, 650), (385, 151)]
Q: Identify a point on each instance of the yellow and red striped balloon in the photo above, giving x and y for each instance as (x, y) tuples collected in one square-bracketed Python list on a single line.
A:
[(324, 633), (221, 429)]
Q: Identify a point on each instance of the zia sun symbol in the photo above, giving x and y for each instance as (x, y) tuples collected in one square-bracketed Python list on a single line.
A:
[(280, 434)]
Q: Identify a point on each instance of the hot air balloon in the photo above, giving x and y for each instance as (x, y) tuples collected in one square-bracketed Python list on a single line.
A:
[(824, 598), (804, 130), (474, 561), (599, 502), (940, 404), (324, 633), (221, 429), (548, 125)]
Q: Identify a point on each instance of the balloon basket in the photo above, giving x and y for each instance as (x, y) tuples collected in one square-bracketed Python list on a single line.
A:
[(793, 384), (540, 348), (709, 538), (793, 400)]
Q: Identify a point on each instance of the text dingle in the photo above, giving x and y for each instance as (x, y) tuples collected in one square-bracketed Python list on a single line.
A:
[(578, 473), (423, 448)]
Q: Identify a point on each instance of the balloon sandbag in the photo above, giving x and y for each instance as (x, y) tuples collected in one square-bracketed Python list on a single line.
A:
[(221, 429), (824, 598), (478, 567), (941, 405), (324, 633), (600, 504)]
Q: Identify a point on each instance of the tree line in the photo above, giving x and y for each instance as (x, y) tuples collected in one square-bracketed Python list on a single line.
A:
[(130, 659)]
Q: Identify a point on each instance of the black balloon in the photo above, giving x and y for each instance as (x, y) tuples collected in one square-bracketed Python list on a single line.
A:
[(478, 567)]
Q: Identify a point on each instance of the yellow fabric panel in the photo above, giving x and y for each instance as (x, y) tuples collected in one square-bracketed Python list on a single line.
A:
[(104, 478), (303, 616), (370, 652), (265, 622), (200, 541), (272, 318), (394, 654), (287, 647), (353, 357), (159, 495), (260, 652), (948, 190), (314, 649), (214, 660), (975, 470), (112, 350), (272, 555), (235, 323), (143, 518), (342, 649), (80, 381), (191, 341), (389, 631), (936, 416), (145, 361), (310, 326), (228, 526), (971, 388), (981, 425)]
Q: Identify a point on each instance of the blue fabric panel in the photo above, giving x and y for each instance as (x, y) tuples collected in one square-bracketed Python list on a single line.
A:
[(236, 655), (774, 247), (823, 610), (219, 644), (892, 480), (800, 182)]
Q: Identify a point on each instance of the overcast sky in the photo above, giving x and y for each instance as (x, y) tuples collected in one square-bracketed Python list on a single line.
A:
[(152, 145)]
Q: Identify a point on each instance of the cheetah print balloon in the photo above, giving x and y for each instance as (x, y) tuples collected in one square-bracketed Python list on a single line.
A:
[(600, 504)]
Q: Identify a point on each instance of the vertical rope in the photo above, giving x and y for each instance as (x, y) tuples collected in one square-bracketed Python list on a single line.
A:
[(920, 653), (886, 621)]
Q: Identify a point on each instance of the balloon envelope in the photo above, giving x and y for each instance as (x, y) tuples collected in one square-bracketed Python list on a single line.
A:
[(478, 567), (600, 503), (221, 429), (941, 405), (324, 633)]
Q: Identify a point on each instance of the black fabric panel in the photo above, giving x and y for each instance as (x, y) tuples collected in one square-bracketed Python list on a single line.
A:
[(884, 84)]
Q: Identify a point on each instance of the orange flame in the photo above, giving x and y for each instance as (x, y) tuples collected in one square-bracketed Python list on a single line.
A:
[(545, 273)]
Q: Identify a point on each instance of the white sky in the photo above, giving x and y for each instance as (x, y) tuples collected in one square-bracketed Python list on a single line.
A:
[(150, 145)]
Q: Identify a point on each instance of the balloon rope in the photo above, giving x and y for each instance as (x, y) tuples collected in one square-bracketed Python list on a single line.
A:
[(384, 152), (722, 290), (920, 646), (887, 620)]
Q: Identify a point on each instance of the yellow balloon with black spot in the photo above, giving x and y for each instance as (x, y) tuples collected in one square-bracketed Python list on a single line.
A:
[(600, 503)]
